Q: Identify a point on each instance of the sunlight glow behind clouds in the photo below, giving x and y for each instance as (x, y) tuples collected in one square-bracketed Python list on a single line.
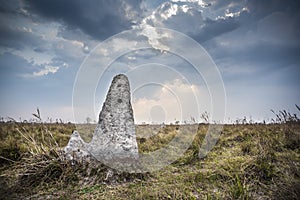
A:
[(172, 97)]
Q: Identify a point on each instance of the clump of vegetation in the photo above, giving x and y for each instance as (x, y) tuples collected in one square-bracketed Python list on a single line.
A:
[(249, 161), (41, 164)]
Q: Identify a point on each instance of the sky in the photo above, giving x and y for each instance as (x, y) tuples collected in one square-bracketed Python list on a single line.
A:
[(248, 52)]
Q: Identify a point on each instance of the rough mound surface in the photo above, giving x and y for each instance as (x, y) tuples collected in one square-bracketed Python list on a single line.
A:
[(76, 147), (114, 137)]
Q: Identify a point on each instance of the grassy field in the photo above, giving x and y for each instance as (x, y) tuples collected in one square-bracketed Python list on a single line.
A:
[(250, 161)]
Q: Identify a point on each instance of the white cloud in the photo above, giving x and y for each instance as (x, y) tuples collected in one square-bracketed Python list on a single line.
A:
[(199, 2), (86, 48), (24, 29), (171, 10), (235, 14), (187, 18), (65, 65), (131, 58), (36, 58), (168, 15), (130, 12), (46, 70), (155, 38), (77, 43), (51, 50)]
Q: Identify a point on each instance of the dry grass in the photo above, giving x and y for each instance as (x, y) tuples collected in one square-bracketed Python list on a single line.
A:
[(250, 161)]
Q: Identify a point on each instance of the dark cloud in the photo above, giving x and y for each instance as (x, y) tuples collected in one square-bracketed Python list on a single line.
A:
[(260, 9), (71, 33), (40, 49), (215, 28), (97, 18), (263, 56), (223, 4), (246, 58), (266, 38), (16, 27), (265, 42), (17, 38), (14, 34), (256, 10), (11, 6)]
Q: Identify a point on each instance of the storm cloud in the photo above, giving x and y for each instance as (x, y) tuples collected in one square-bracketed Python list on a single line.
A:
[(97, 18)]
